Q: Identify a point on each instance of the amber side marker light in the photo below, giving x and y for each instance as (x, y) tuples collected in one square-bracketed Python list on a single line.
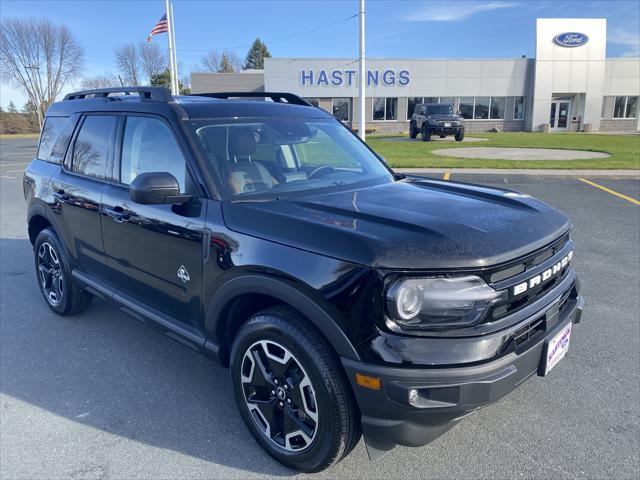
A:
[(368, 382)]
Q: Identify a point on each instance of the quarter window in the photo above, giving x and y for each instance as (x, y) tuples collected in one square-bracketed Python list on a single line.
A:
[(341, 109), (518, 108), (91, 148), (150, 146), (50, 131), (385, 109)]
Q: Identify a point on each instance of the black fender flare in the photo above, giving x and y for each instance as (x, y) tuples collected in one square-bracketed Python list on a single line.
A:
[(282, 290)]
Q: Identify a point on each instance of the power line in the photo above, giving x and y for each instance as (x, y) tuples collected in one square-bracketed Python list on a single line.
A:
[(288, 37)]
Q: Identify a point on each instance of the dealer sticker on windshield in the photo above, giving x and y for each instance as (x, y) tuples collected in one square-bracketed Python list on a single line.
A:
[(557, 348)]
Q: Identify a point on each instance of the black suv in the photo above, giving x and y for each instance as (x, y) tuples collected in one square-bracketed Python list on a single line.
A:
[(438, 119), (345, 298)]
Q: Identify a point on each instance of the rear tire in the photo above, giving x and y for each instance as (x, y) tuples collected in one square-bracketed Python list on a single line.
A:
[(413, 131), (53, 273), (426, 134), (292, 392), (459, 136)]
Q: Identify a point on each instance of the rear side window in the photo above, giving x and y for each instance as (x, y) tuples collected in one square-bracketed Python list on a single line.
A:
[(150, 146), (91, 148), (50, 131)]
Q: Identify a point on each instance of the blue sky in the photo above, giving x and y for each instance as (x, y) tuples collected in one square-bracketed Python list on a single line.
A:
[(482, 28)]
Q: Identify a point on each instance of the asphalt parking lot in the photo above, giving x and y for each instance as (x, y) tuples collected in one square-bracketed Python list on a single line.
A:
[(102, 396)]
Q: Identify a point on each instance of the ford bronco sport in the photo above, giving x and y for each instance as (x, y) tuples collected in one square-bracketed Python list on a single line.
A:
[(438, 119), (346, 299)]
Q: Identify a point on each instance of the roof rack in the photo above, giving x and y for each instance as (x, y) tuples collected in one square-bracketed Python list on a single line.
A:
[(146, 94), (277, 97)]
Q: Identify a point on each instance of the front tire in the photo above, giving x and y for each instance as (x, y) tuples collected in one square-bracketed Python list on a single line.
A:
[(53, 272), (426, 134), (292, 393), (459, 136), (413, 131)]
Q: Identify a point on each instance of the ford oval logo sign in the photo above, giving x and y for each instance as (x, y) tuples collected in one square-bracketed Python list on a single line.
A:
[(571, 39)]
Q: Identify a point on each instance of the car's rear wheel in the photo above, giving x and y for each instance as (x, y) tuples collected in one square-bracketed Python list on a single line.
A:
[(459, 136), (426, 134), (60, 292), (291, 392), (413, 131)]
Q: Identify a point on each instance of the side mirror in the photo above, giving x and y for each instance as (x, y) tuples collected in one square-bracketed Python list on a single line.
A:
[(156, 188)]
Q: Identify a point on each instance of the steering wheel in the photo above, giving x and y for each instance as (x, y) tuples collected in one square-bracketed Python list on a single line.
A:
[(319, 169)]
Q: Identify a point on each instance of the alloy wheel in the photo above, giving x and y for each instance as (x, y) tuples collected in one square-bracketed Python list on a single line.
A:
[(279, 395), (50, 273)]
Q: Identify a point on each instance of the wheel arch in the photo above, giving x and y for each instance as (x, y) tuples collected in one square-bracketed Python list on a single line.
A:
[(36, 222), (239, 298)]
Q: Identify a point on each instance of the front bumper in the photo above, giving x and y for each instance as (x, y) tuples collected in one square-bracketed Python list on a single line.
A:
[(442, 396), (442, 130)]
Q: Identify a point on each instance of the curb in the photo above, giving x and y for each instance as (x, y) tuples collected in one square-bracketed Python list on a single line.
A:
[(635, 174)]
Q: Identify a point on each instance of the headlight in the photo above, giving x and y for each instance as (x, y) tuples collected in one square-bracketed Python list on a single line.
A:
[(440, 302)]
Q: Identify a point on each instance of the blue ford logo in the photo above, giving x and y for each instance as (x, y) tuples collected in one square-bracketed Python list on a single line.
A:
[(571, 39)]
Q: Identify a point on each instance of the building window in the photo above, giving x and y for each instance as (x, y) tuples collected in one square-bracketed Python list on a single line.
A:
[(496, 112), (481, 109), (413, 101), (341, 109), (466, 107), (448, 100), (313, 101), (625, 107), (518, 108), (385, 109)]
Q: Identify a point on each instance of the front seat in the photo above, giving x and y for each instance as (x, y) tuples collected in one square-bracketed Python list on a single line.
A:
[(246, 175)]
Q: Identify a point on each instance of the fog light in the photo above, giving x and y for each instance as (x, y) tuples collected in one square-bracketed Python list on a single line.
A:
[(413, 396)]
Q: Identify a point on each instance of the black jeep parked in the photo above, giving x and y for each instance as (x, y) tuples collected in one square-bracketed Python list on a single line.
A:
[(438, 119), (345, 298)]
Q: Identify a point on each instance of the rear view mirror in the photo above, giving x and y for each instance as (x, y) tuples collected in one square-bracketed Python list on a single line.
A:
[(156, 188)]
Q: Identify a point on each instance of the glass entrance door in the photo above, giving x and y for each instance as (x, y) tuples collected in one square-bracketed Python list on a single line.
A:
[(559, 116)]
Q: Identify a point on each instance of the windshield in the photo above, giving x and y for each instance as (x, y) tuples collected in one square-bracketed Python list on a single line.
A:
[(274, 156), (440, 109)]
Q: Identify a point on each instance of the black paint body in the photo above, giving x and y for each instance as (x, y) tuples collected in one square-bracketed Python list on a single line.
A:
[(330, 256)]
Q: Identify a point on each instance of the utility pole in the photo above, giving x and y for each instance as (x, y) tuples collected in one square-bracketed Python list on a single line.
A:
[(172, 59), (363, 76)]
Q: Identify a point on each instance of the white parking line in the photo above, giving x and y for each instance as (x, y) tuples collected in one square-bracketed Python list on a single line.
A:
[(12, 164), (14, 171)]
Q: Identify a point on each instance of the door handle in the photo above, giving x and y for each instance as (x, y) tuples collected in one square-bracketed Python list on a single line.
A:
[(117, 213)]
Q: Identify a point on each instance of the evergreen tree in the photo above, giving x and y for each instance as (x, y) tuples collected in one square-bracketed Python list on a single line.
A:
[(163, 79), (256, 55), (225, 65)]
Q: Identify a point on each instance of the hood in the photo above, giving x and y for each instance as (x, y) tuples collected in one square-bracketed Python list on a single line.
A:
[(408, 224)]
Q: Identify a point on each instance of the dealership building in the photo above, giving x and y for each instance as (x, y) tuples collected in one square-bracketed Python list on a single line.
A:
[(570, 85)]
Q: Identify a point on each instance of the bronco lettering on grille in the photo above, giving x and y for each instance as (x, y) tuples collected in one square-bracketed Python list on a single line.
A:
[(544, 276)]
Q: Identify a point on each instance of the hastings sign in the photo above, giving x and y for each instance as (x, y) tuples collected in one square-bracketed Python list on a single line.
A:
[(570, 39)]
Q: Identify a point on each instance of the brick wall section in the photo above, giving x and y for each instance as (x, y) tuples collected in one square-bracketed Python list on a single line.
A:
[(619, 125)]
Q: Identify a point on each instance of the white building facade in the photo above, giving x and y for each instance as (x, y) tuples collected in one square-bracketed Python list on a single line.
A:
[(569, 86)]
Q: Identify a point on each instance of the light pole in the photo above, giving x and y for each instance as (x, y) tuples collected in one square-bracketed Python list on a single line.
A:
[(363, 76)]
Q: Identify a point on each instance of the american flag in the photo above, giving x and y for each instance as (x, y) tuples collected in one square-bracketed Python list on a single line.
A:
[(161, 27)]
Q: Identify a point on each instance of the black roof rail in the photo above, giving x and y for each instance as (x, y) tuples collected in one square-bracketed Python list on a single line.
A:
[(146, 94), (277, 97)]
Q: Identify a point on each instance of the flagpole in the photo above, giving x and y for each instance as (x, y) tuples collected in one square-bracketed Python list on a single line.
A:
[(363, 77), (175, 58), (174, 90)]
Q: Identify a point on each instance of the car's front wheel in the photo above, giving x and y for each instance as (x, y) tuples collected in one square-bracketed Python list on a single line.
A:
[(459, 136), (426, 134), (53, 271), (291, 392), (413, 131)]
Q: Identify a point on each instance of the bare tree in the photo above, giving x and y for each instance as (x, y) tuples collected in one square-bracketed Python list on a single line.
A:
[(40, 57), (100, 81), (152, 60), (127, 61), (212, 60)]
